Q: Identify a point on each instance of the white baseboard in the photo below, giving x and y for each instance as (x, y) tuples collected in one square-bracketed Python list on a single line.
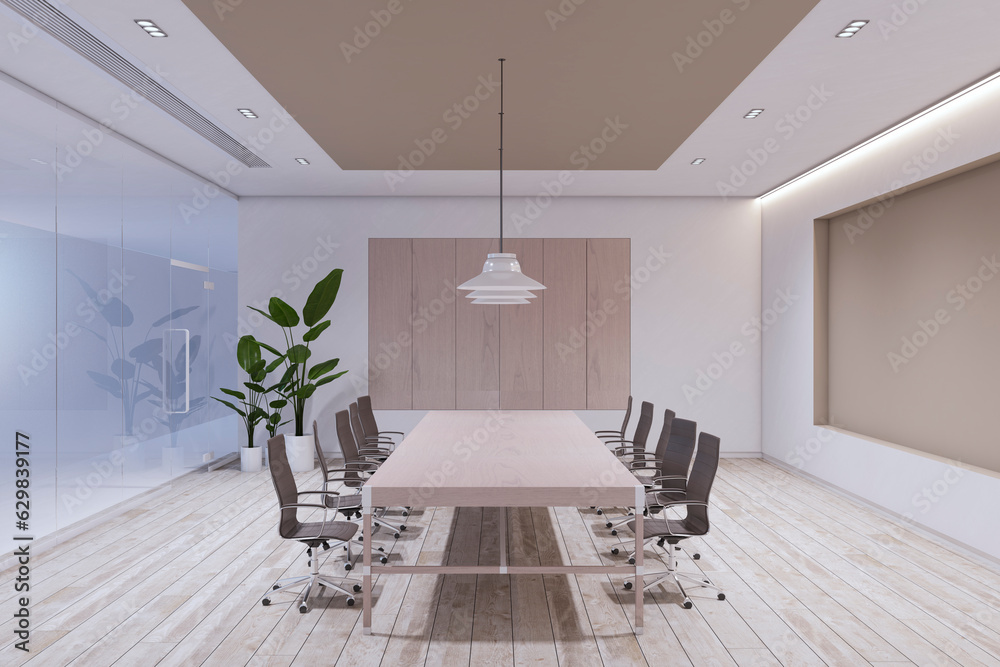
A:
[(740, 455)]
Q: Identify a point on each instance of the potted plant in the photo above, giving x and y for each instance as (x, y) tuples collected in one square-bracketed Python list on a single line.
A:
[(301, 378), (252, 401)]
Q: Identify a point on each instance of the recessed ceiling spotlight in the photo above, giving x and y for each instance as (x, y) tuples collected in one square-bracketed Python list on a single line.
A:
[(852, 28), (302, 160), (151, 28), (247, 113), (753, 113), (698, 160)]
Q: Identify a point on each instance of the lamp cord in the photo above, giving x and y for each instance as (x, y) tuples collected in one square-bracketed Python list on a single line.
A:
[(501, 152)]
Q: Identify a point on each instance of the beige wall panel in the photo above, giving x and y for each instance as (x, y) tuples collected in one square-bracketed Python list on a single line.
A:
[(477, 333), (609, 342), (389, 335), (914, 319), (521, 335), (564, 348), (434, 324)]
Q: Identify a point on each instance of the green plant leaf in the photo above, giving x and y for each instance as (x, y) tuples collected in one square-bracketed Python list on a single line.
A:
[(314, 333), (281, 313), (247, 353), (322, 369), (268, 347), (277, 404), (265, 314), (321, 298), (298, 354), (174, 315), (229, 405), (287, 377), (305, 391), (254, 387), (329, 378), (235, 394), (274, 364)]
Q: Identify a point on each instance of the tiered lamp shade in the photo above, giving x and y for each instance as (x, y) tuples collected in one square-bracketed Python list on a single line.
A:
[(501, 282)]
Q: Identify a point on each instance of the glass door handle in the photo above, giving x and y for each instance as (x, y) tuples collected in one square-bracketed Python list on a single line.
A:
[(168, 393)]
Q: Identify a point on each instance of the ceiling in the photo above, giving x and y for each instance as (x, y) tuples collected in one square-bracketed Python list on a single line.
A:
[(433, 65), (352, 121)]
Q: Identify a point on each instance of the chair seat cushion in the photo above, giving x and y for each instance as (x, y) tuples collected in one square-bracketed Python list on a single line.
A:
[(352, 501), (662, 528), (334, 530)]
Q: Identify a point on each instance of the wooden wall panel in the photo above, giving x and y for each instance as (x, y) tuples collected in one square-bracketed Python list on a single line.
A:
[(521, 359), (564, 347), (477, 333), (434, 324), (389, 336), (609, 323)]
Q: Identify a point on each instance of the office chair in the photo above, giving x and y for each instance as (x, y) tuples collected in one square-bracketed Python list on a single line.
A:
[(694, 524), (349, 505), (313, 534), (367, 447), (620, 433), (637, 444), (359, 467), (369, 426)]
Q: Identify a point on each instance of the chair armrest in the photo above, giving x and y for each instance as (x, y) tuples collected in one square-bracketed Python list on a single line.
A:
[(607, 431), (608, 442), (374, 450), (665, 477), (391, 432), (643, 463), (296, 505)]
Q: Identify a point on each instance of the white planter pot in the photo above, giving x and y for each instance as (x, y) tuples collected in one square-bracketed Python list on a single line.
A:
[(301, 452), (251, 459)]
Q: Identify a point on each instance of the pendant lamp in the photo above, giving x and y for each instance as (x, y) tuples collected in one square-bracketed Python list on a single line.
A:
[(501, 282)]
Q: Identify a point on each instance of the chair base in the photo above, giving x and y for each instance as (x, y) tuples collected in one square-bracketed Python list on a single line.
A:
[(311, 581), (679, 578)]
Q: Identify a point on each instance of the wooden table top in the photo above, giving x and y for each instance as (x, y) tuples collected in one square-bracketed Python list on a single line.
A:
[(527, 458)]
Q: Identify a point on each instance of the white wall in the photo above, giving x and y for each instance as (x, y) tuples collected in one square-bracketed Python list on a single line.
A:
[(960, 506), (699, 303)]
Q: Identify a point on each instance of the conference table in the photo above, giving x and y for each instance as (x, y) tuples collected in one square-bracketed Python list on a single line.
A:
[(530, 458)]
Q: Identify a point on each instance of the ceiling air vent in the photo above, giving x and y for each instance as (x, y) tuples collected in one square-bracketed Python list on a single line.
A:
[(73, 35)]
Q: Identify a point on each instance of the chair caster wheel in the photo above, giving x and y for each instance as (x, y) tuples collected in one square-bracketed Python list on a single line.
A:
[(600, 512), (402, 528), (696, 556), (396, 535), (628, 585), (722, 596), (275, 587), (614, 532), (348, 566), (406, 513), (383, 560), (361, 538), (303, 609), (266, 601), (592, 507), (631, 561), (350, 602), (614, 552), (357, 588), (687, 604), (608, 524), (381, 548)]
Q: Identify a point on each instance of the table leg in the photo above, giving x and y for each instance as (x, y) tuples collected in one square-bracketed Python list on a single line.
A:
[(503, 540), (640, 506), (366, 578)]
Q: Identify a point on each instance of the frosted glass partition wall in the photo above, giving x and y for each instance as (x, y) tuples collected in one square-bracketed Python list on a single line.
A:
[(119, 314)]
